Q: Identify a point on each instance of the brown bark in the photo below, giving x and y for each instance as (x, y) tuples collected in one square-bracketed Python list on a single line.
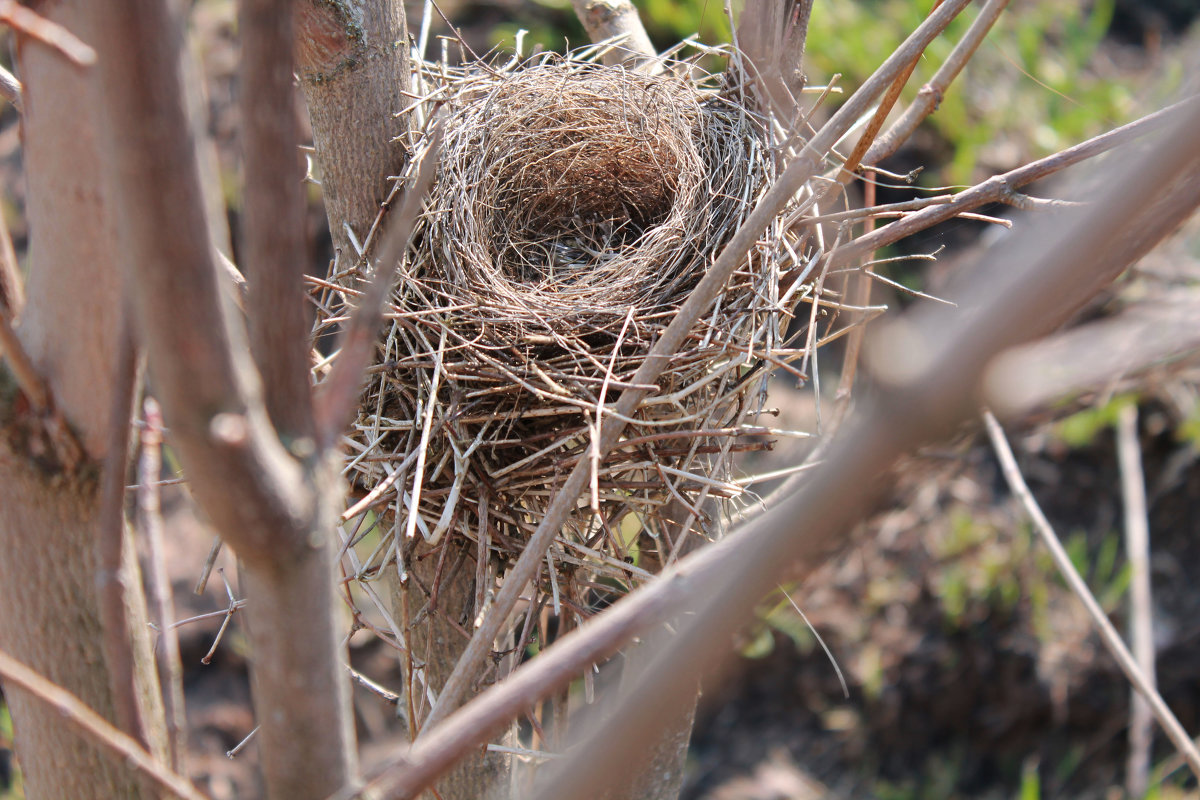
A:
[(276, 507), (50, 512), (352, 58), (439, 601)]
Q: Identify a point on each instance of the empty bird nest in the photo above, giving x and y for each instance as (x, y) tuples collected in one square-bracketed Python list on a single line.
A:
[(575, 207)]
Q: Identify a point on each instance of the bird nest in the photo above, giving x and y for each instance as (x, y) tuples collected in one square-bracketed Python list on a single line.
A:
[(574, 208)]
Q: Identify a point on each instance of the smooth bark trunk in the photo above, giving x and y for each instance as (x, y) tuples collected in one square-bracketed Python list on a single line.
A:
[(50, 514)]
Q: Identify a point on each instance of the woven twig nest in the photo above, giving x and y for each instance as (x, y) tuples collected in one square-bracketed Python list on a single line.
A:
[(575, 207)]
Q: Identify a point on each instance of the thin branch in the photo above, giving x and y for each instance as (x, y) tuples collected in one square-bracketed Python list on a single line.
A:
[(275, 510), (1142, 684), (170, 667), (95, 728), (273, 240), (29, 23), (797, 173), (1141, 614), (12, 300), (238, 470), (931, 94), (113, 555), (998, 188), (617, 20), (1098, 355), (338, 395), (12, 288)]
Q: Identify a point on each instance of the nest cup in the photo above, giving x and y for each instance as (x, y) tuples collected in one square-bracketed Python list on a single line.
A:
[(575, 207)]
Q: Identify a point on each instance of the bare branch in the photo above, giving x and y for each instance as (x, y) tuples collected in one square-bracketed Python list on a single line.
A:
[(276, 511), (273, 241), (91, 725), (999, 187), (170, 667), (931, 94), (207, 386), (1141, 615), (340, 391), (29, 23), (1142, 684), (797, 173), (1096, 356), (610, 19), (114, 555), (10, 89)]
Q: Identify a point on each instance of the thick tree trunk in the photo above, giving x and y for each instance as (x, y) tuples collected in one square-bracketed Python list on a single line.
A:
[(50, 516), (352, 57)]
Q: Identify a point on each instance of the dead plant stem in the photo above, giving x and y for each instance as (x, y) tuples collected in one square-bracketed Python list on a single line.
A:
[(1141, 683)]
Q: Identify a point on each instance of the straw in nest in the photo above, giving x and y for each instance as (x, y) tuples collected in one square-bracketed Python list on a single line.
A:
[(575, 207)]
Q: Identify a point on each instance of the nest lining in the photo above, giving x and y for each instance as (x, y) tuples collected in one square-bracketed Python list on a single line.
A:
[(575, 207)]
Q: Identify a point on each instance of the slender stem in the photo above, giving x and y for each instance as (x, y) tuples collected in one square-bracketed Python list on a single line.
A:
[(931, 94), (1141, 683), (797, 173), (125, 749), (113, 553), (1001, 188), (1141, 615), (170, 667)]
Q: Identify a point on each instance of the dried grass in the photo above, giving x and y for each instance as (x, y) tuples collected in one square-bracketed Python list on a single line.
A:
[(575, 207)]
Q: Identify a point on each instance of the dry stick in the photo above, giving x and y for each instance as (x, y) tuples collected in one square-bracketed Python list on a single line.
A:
[(1141, 682), (29, 23), (273, 240), (113, 558), (928, 365), (338, 395), (931, 94), (1141, 623), (1148, 335), (1002, 188), (170, 667), (94, 727), (797, 173)]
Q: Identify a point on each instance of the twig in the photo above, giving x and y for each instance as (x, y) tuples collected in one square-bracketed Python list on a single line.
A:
[(12, 299), (999, 187), (931, 94), (803, 168), (112, 549), (1141, 619), (1097, 355), (29, 23), (94, 727), (338, 395), (1141, 683), (170, 668)]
